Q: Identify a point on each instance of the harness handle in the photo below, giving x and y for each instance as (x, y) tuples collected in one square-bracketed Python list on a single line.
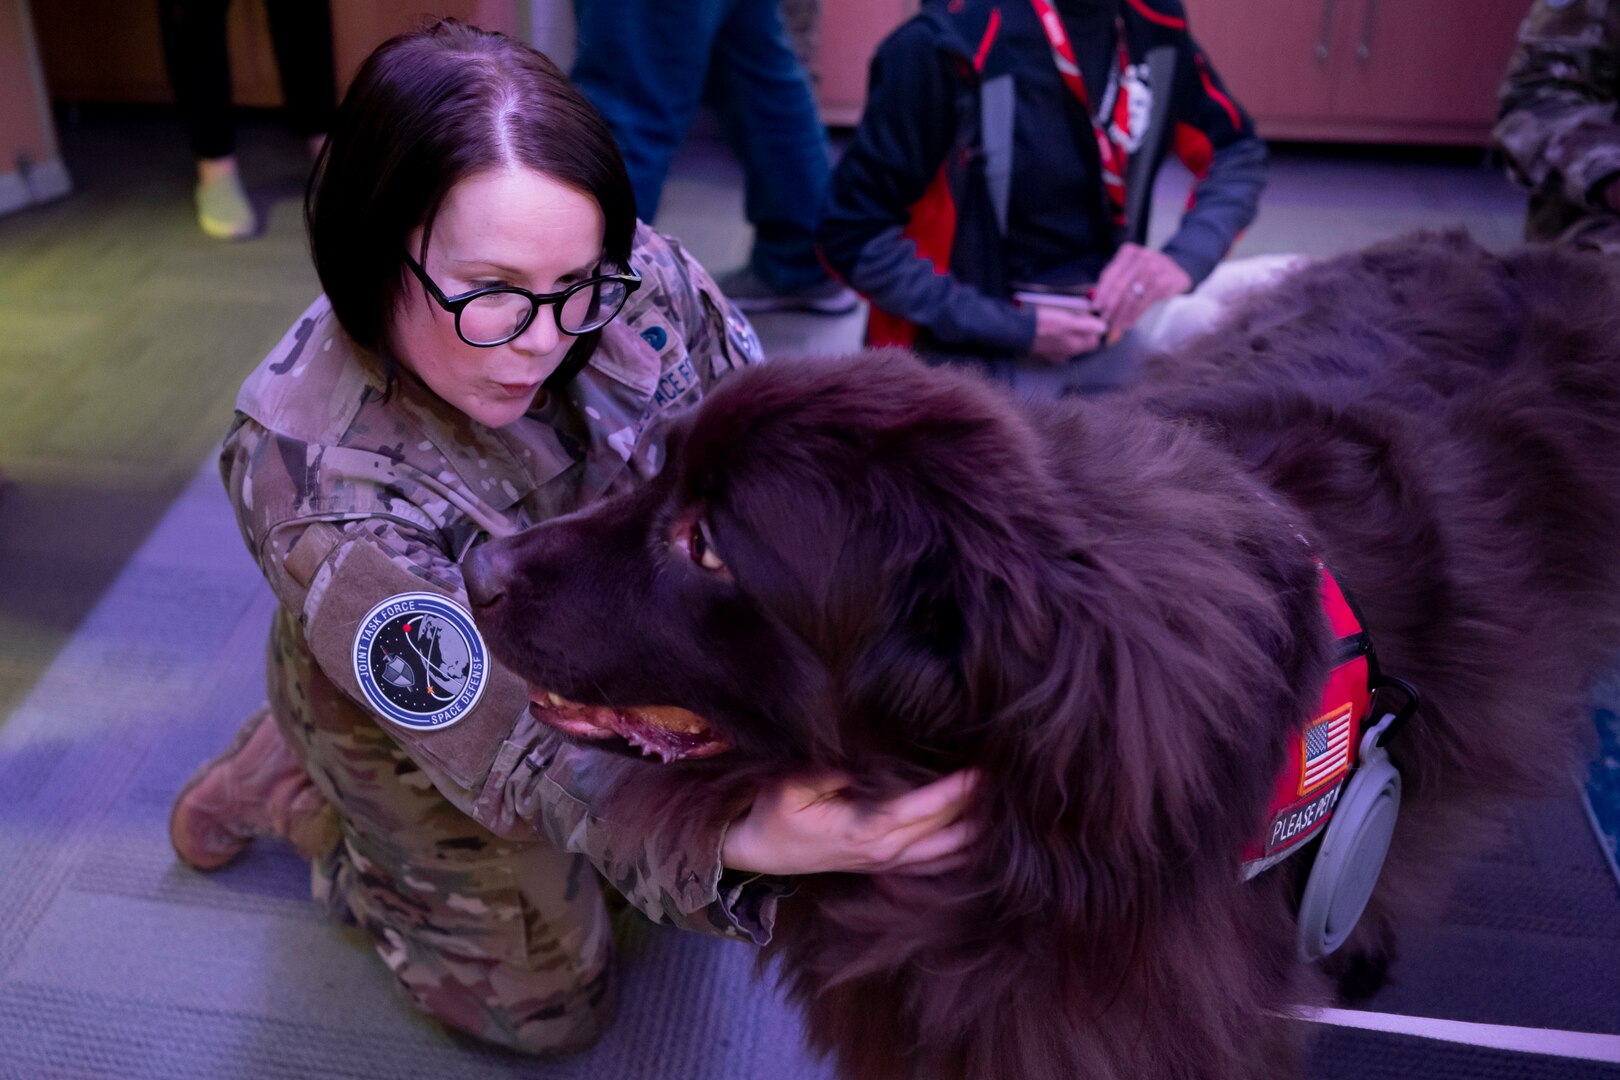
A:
[(1391, 721)]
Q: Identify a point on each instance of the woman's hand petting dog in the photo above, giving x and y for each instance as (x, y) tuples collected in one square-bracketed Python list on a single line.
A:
[(1134, 280), (807, 825)]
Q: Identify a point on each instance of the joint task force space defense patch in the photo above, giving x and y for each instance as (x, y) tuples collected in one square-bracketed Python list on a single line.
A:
[(420, 660)]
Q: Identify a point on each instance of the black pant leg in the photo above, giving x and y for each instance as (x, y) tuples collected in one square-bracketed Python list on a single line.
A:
[(301, 31), (199, 72)]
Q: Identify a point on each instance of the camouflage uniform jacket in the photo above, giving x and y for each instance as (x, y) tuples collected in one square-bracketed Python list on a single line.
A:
[(348, 494), (1558, 124)]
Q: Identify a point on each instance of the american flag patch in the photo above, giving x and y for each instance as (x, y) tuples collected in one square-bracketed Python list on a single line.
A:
[(1327, 748)]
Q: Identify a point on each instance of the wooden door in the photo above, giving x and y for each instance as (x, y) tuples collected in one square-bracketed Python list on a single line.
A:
[(1432, 64), (1275, 56)]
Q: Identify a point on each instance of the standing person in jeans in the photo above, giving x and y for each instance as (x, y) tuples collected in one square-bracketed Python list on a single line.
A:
[(1559, 122), (199, 65), (497, 343), (648, 64), (1006, 155)]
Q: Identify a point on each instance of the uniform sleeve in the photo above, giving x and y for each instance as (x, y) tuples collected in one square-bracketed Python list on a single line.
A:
[(905, 133), (1216, 140), (716, 330), (565, 789), (493, 763), (1556, 121)]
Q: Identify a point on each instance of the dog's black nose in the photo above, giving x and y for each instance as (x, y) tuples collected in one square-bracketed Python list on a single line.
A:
[(484, 575)]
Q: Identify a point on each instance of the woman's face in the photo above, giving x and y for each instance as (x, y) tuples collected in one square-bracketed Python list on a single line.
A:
[(511, 226)]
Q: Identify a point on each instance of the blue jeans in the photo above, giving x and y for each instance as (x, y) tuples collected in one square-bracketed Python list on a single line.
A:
[(648, 64)]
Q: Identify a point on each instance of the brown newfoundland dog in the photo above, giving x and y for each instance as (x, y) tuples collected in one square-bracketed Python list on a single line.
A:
[(1106, 606)]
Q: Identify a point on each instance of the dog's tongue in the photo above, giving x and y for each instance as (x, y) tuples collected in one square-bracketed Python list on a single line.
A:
[(666, 733)]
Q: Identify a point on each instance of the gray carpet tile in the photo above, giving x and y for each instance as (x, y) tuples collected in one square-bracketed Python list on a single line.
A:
[(271, 881), (38, 844), (691, 1009), (1340, 1054), (1531, 935)]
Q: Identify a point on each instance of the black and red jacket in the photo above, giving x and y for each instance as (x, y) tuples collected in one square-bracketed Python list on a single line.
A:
[(937, 208)]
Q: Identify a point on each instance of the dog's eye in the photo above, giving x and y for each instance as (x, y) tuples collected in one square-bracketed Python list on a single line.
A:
[(693, 537)]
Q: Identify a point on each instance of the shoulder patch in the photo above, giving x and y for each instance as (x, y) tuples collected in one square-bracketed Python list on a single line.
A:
[(742, 337), (420, 660)]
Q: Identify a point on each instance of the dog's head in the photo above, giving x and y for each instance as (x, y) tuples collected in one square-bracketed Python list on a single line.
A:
[(889, 570), (876, 566), (804, 583)]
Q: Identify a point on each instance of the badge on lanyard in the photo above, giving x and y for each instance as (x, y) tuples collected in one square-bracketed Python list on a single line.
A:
[(740, 332), (1111, 155)]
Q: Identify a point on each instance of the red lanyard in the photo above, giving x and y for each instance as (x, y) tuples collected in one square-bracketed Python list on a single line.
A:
[(1112, 156)]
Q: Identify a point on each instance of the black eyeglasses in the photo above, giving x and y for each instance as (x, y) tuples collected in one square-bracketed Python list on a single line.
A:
[(497, 314)]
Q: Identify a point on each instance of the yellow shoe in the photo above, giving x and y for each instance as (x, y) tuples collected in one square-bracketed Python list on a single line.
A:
[(223, 209)]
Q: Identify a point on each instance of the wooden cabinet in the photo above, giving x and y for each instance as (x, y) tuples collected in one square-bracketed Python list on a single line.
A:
[(1399, 71), (1419, 71), (850, 33)]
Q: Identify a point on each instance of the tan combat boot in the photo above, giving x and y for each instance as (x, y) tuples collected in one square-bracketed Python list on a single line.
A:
[(257, 787)]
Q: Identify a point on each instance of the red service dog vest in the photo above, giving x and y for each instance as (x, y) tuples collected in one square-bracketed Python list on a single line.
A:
[(1324, 751)]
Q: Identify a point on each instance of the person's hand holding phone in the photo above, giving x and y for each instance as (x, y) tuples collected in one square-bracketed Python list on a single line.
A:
[(1064, 331)]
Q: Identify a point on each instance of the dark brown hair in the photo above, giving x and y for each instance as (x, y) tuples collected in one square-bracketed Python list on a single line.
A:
[(426, 110)]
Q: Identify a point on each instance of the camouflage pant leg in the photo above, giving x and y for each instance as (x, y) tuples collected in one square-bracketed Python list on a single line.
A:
[(507, 941)]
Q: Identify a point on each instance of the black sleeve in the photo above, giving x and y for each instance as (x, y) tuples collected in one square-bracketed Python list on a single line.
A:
[(906, 130), (1215, 139)]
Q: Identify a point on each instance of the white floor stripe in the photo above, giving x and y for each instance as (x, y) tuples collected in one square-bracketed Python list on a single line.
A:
[(1525, 1040)]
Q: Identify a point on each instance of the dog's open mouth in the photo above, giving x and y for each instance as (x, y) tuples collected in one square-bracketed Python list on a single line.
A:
[(660, 731)]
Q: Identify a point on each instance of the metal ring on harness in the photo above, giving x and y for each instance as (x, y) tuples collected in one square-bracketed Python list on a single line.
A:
[(1353, 847)]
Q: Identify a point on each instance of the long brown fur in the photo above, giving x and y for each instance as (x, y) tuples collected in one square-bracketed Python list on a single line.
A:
[(1104, 606)]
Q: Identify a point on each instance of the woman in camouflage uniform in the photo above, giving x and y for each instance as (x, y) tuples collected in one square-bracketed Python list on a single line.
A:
[(496, 340)]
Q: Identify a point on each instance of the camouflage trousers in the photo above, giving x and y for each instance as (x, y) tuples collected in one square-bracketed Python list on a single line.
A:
[(508, 941)]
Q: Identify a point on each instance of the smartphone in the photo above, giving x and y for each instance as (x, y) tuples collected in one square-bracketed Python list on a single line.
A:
[(1074, 297)]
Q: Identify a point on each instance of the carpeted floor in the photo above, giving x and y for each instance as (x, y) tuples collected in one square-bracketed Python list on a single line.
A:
[(115, 961)]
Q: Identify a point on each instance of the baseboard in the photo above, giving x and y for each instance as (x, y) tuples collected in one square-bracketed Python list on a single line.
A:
[(40, 183)]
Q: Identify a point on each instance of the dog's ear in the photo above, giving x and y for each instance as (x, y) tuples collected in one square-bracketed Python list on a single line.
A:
[(1127, 769), (906, 688)]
